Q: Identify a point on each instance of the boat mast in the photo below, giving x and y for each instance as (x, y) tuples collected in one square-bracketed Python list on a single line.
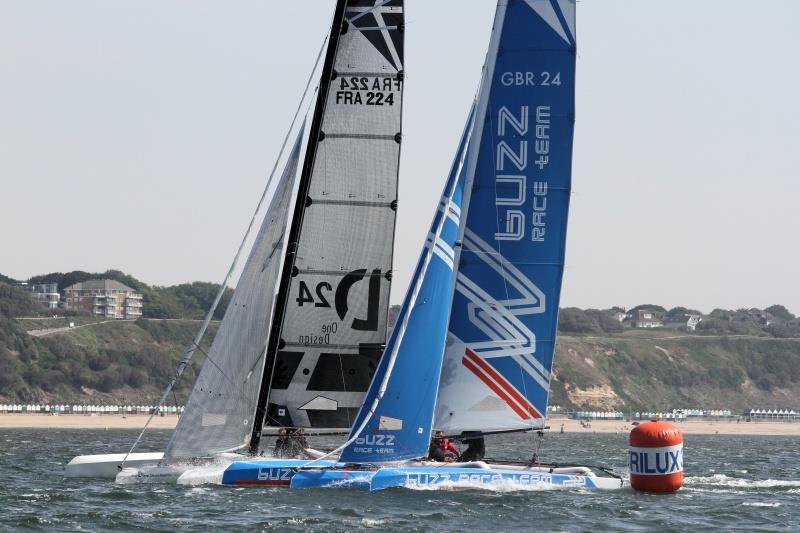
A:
[(274, 342)]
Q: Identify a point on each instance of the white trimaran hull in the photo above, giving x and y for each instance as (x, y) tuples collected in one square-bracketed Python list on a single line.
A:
[(107, 465)]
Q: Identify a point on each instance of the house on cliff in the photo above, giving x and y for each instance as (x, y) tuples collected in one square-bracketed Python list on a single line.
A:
[(104, 297), (645, 319)]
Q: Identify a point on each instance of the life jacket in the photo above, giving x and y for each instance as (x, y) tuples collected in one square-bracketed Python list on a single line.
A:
[(451, 452)]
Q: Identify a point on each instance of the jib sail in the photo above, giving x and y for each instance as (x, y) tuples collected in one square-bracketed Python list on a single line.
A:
[(219, 413), (395, 421)]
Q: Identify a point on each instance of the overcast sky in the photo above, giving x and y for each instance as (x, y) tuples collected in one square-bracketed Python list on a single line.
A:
[(138, 135)]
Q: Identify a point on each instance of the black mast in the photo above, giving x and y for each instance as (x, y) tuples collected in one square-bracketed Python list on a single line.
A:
[(273, 345)]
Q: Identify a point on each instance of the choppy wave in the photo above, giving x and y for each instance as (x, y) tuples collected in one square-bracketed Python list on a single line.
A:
[(722, 480), (762, 504), (745, 483)]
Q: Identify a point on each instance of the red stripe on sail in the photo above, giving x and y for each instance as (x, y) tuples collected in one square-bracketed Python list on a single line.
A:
[(495, 387), (505, 384)]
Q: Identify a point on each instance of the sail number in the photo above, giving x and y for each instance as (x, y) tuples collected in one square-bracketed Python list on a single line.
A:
[(305, 296), (366, 91), (519, 78)]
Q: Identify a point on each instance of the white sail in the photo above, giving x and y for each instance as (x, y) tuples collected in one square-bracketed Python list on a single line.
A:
[(219, 414)]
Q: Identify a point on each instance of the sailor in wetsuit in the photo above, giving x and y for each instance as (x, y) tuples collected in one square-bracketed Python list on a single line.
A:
[(476, 447), (442, 450), (290, 443)]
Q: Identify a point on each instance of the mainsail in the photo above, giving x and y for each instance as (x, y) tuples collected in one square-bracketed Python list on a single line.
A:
[(330, 325), (497, 366), (219, 413)]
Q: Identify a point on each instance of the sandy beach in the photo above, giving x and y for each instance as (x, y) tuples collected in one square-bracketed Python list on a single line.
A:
[(691, 427), (85, 421)]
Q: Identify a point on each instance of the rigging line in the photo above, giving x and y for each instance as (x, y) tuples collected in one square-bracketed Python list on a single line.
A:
[(375, 28), (189, 354)]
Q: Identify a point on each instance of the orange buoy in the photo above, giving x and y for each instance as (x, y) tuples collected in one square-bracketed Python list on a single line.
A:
[(656, 457)]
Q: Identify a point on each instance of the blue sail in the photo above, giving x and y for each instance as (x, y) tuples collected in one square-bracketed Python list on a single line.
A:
[(395, 420), (497, 366)]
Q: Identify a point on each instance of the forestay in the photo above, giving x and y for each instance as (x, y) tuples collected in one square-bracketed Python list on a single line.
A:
[(395, 420), (219, 412), (334, 325), (497, 368)]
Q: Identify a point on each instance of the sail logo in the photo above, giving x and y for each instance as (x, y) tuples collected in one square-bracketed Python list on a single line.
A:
[(373, 298), (376, 440), (511, 158), (275, 474), (512, 188), (375, 444), (656, 461)]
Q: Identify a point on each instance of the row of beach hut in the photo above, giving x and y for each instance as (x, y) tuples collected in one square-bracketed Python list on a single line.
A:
[(773, 414), (597, 415), (89, 409)]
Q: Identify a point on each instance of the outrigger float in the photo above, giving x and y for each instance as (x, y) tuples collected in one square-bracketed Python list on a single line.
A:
[(421, 475), (472, 348)]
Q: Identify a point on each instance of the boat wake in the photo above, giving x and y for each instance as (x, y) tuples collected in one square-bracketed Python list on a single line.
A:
[(204, 475), (180, 473)]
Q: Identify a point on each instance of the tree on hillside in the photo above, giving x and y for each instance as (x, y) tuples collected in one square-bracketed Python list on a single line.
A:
[(574, 320), (64, 280), (721, 314), (6, 279), (605, 320), (17, 302), (652, 308), (678, 313), (780, 312)]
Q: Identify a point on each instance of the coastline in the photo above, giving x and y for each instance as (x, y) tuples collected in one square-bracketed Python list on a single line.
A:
[(689, 427), (92, 421)]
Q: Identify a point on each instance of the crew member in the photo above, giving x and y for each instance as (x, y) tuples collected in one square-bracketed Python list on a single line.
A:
[(442, 450), (282, 444), (476, 447), (290, 443)]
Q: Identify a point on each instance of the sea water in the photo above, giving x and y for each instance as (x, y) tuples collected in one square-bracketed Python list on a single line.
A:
[(732, 482)]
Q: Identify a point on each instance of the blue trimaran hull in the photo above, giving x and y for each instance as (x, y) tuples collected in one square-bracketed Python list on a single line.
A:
[(413, 475)]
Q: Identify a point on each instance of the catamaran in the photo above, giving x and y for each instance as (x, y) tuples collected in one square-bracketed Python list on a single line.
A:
[(306, 325), (473, 347)]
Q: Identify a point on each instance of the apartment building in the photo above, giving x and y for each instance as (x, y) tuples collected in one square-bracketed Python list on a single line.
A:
[(104, 297), (44, 293)]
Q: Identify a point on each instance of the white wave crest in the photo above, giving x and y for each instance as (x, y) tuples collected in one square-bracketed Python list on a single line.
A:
[(761, 504), (721, 480), (210, 474), (372, 522)]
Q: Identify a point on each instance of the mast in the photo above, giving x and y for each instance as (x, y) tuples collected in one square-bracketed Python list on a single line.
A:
[(274, 342)]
